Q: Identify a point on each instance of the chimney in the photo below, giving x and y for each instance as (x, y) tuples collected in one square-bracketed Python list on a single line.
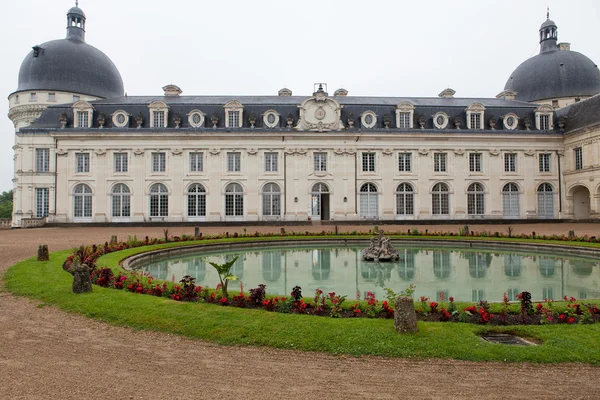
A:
[(285, 92), (172, 90), (340, 93), (564, 46), (507, 95), (447, 94)]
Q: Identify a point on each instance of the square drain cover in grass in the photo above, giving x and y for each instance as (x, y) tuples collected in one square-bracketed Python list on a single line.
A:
[(504, 338)]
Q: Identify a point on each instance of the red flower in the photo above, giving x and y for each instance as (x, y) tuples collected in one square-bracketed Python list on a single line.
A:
[(562, 317), (571, 320), (451, 299)]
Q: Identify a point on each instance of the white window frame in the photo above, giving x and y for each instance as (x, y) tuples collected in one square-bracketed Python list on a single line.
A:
[(82, 162), (82, 203), (404, 162), (368, 161), (320, 161), (121, 162), (512, 126), (234, 161), (234, 111), (159, 114), (196, 202), (369, 201), (42, 160), (440, 199), (115, 118), (475, 162), (271, 161), (33, 96), (158, 201), (475, 199), (510, 200), (545, 201), (544, 110), (83, 114), (159, 162), (578, 157), (545, 162), (196, 161), (405, 115), (275, 121), (271, 200), (120, 202), (51, 96), (475, 116), (405, 200), (196, 114), (234, 202), (510, 162), (440, 162), (444, 122), (363, 119), (42, 202)]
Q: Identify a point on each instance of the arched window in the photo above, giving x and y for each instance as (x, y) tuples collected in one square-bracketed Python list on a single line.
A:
[(234, 200), (82, 201), (545, 201), (510, 200), (440, 199), (320, 201), (271, 200), (196, 200), (478, 264), (547, 266), (159, 200), (405, 199), (475, 205), (368, 201), (121, 201), (271, 266)]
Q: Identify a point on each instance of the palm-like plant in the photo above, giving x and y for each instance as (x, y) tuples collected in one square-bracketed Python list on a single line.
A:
[(225, 275)]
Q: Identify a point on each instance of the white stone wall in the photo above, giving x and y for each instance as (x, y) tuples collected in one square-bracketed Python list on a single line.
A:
[(295, 175)]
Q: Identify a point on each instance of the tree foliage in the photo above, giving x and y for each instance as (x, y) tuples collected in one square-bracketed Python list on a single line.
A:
[(6, 204)]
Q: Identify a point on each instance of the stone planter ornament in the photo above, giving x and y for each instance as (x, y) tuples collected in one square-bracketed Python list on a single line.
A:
[(405, 316), (82, 282)]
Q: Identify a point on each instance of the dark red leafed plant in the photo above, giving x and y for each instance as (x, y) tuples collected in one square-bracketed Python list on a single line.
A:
[(444, 315), (433, 307), (189, 292), (296, 293), (105, 277), (257, 295)]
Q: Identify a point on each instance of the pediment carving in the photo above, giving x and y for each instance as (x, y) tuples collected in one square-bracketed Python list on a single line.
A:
[(320, 113)]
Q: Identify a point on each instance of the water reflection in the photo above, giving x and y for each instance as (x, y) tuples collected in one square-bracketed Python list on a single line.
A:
[(437, 273)]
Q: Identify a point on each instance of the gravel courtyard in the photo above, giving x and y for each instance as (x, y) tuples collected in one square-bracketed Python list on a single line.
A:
[(47, 353)]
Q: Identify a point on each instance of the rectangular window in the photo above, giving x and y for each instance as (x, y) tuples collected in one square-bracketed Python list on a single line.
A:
[(404, 162), (233, 118), (82, 162), (82, 119), (17, 99), (404, 120), (33, 97), (196, 162), (42, 160), (544, 122), (121, 162), (158, 119), (548, 293), (159, 162), (51, 96), (475, 162), (368, 162), (75, 98), (512, 294), (320, 161), (545, 162), (578, 155), (234, 162), (475, 121), (42, 199), (439, 162), (271, 162), (510, 162)]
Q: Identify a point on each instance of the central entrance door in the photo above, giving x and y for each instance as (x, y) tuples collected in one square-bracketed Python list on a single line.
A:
[(320, 202)]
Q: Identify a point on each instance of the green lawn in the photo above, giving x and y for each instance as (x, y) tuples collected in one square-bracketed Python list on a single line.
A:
[(49, 284)]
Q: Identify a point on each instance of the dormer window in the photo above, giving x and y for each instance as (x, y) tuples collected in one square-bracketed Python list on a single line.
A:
[(271, 118), (196, 118), (368, 119), (510, 121), (404, 115), (120, 119), (159, 113), (233, 114), (475, 116), (440, 120), (82, 111), (543, 118)]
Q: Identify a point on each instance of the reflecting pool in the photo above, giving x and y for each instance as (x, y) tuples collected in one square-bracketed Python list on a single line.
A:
[(467, 275)]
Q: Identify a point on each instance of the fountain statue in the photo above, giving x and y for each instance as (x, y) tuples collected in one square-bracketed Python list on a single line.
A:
[(380, 249)]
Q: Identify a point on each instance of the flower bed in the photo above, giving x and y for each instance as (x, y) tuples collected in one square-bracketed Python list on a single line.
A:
[(324, 305)]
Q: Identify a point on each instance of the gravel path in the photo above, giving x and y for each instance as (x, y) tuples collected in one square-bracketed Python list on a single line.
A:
[(47, 353)]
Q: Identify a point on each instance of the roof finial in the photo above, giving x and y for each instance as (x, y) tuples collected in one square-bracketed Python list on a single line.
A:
[(548, 12), (76, 3)]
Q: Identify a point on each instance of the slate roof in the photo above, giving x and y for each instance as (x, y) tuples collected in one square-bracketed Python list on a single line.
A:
[(286, 105), (582, 114)]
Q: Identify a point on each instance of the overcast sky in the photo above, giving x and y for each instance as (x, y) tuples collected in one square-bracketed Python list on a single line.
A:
[(375, 48)]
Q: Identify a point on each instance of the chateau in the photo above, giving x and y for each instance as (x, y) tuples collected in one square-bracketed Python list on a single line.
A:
[(85, 152)]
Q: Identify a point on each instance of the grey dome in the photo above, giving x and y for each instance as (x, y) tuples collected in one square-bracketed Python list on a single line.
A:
[(76, 11), (70, 65), (555, 74), (547, 23)]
